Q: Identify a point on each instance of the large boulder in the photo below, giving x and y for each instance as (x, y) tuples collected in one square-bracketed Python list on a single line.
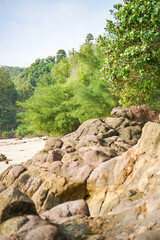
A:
[(126, 188), (14, 203)]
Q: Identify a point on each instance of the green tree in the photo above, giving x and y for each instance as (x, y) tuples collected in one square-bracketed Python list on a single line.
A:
[(89, 38), (60, 55), (76, 95), (39, 73), (8, 98), (49, 111), (132, 51), (61, 71)]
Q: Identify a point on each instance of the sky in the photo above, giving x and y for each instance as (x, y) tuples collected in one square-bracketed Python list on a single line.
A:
[(31, 29)]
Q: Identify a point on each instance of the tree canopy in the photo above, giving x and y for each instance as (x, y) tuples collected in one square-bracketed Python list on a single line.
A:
[(132, 51), (75, 95), (8, 98)]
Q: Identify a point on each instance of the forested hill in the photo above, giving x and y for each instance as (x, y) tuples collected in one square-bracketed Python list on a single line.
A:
[(13, 71), (58, 93)]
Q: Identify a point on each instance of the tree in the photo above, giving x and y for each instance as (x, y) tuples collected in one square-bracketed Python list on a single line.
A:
[(39, 73), (50, 59), (60, 72), (89, 38), (76, 95), (8, 98), (60, 55), (48, 111), (132, 51)]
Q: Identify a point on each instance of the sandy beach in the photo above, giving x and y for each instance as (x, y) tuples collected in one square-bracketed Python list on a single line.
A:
[(18, 151)]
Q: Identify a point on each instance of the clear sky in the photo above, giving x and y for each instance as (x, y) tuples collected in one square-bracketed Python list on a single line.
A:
[(31, 29)]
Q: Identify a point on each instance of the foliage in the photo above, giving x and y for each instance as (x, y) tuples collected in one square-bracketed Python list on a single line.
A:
[(60, 72), (37, 74), (89, 38), (132, 51), (48, 110), (8, 98), (13, 72), (60, 55), (76, 95)]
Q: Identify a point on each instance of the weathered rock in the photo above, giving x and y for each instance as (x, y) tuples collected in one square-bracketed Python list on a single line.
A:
[(88, 141), (12, 225), (53, 143), (121, 186), (121, 113), (67, 209), (32, 185), (91, 127), (149, 235), (114, 122), (126, 188), (40, 157), (27, 228), (125, 124), (143, 114), (54, 155), (14, 203), (46, 232), (150, 140), (130, 134), (14, 173)]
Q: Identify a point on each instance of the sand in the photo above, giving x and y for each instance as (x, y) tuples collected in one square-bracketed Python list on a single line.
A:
[(18, 151)]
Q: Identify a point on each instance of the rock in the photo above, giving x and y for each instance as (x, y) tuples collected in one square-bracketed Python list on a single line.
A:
[(2, 157), (136, 170), (150, 139), (77, 173), (94, 156), (116, 144), (31, 224), (40, 157), (130, 134), (96, 168), (77, 227), (54, 155), (28, 227), (114, 122), (121, 113), (88, 141), (67, 209), (32, 185), (90, 127), (128, 129), (14, 203), (12, 225), (143, 114), (72, 157), (149, 235), (13, 174), (53, 143), (120, 237), (46, 232)]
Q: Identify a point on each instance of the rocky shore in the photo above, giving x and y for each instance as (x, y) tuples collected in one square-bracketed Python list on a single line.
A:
[(101, 182)]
